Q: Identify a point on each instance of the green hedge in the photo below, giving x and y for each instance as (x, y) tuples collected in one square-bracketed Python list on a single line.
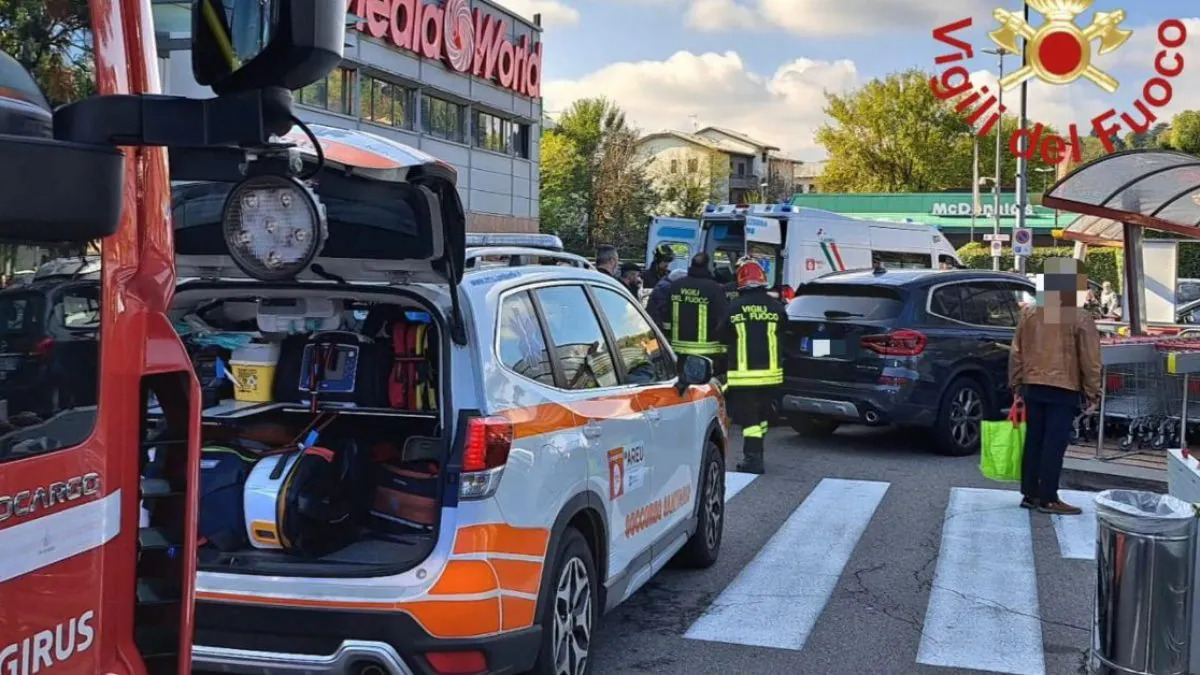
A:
[(1103, 264)]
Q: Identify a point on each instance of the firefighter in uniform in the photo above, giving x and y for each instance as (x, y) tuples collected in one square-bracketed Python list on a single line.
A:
[(695, 308), (752, 333)]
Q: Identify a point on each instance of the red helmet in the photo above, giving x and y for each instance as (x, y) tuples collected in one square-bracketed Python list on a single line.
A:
[(750, 274)]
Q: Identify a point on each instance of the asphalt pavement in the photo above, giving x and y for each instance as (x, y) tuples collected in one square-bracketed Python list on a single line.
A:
[(866, 554)]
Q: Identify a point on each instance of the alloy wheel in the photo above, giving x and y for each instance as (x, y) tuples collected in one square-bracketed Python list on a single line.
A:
[(714, 505), (572, 619), (966, 414)]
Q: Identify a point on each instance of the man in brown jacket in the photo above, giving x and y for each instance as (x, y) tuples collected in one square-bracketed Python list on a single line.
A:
[(1054, 366)]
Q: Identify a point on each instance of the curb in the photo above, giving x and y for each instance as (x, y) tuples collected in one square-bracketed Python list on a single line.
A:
[(1095, 475)]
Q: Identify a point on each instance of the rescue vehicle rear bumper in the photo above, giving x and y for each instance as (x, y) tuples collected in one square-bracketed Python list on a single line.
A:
[(236, 638)]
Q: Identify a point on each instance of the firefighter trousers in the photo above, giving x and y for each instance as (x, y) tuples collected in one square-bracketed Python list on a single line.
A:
[(750, 408)]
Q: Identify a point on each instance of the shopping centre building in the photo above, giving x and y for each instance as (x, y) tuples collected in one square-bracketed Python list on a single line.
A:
[(475, 103), (950, 212)]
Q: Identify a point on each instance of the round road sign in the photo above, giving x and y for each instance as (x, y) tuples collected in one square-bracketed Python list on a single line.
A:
[(1022, 237)]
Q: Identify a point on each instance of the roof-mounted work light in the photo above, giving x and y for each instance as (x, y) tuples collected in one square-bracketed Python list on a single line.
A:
[(274, 227)]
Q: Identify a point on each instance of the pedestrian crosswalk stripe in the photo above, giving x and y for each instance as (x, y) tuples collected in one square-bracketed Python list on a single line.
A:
[(1077, 534), (776, 600), (735, 482), (983, 607)]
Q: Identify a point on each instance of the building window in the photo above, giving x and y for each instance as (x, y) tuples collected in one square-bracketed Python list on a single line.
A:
[(523, 141), (384, 102), (331, 93), (741, 169), (674, 166), (442, 119), (693, 165), (493, 133)]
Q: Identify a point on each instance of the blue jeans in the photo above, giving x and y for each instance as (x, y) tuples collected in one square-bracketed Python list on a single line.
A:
[(1051, 413)]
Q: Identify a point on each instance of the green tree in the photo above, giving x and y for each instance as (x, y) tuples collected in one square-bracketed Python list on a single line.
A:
[(562, 208), (604, 193), (895, 135), (53, 41), (1184, 135)]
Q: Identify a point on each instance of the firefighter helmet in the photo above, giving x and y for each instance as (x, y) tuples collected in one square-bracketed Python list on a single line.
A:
[(664, 254), (750, 275)]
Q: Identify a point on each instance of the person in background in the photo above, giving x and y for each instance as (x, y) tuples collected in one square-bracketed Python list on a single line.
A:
[(659, 303), (608, 260), (631, 277), (727, 281), (660, 267), (697, 306), (1053, 368), (1110, 302), (752, 333)]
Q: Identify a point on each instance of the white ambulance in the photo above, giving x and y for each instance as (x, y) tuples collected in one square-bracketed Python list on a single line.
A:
[(796, 245)]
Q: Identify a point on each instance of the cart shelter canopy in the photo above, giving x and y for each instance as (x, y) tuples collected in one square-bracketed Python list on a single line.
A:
[(1158, 189)]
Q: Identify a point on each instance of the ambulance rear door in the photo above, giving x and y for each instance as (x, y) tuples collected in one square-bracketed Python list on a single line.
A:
[(680, 234)]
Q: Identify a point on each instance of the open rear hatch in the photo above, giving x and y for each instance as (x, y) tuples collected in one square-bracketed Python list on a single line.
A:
[(394, 218), (394, 214), (842, 332)]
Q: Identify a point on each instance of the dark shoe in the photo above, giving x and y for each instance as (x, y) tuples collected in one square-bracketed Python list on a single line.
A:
[(1059, 508), (751, 468), (1028, 502)]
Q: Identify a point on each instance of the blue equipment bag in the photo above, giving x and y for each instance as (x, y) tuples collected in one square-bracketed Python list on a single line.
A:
[(223, 473)]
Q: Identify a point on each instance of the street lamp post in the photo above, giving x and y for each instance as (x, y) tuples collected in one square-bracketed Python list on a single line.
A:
[(1001, 53), (1046, 171), (1022, 196)]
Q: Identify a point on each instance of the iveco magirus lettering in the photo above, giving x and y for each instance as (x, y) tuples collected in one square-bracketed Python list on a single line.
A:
[(48, 648), (42, 498)]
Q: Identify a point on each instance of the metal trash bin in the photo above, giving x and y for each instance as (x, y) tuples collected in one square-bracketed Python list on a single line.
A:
[(1145, 574)]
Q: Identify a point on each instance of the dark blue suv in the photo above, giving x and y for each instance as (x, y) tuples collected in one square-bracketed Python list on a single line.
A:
[(913, 348)]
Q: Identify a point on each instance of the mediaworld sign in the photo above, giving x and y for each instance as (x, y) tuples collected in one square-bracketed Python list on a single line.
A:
[(963, 209), (468, 41)]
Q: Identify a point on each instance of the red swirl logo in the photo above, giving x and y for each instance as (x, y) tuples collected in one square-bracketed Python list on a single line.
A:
[(459, 35)]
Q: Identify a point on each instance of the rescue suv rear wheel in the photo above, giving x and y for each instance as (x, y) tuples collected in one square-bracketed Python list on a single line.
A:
[(702, 549), (570, 615)]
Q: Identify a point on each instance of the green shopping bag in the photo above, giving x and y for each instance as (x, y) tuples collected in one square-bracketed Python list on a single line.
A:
[(1002, 444)]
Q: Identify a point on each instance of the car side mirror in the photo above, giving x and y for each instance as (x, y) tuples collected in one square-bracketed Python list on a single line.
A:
[(694, 370), (243, 45)]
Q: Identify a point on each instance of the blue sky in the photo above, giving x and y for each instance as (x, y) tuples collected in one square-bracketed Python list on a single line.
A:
[(762, 65)]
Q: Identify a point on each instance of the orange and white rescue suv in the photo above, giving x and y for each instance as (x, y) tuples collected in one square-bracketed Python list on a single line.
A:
[(286, 431)]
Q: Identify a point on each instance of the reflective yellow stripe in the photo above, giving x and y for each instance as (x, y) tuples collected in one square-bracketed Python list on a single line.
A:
[(773, 346), (674, 321), (742, 355), (756, 431), (755, 378), (698, 348), (702, 323)]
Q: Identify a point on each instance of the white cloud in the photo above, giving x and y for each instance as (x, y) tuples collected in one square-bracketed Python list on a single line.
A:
[(784, 108), (554, 14), (712, 16), (825, 17)]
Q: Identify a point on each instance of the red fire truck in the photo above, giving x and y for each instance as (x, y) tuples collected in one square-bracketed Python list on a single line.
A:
[(96, 562)]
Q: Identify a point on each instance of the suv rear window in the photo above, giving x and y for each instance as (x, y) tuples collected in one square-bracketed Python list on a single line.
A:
[(824, 301)]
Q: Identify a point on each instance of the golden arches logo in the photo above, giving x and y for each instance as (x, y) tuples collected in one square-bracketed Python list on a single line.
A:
[(1060, 52)]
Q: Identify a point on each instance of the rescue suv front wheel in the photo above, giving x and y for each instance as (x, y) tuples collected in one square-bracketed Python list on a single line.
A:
[(702, 549), (570, 615)]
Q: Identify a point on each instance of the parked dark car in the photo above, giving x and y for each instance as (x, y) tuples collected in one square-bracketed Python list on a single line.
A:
[(913, 348), (49, 345)]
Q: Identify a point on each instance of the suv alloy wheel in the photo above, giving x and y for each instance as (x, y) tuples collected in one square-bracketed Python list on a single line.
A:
[(960, 418)]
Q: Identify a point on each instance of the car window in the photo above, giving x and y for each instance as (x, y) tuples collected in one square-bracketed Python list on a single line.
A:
[(79, 307), (852, 301), (986, 304), (637, 345), (577, 339), (20, 313), (902, 260), (522, 346)]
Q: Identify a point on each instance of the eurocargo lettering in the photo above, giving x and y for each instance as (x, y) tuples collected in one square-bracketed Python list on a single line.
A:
[(468, 41)]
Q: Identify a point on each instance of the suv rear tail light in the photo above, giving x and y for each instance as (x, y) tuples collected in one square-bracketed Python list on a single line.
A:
[(42, 347), (898, 343), (485, 453)]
